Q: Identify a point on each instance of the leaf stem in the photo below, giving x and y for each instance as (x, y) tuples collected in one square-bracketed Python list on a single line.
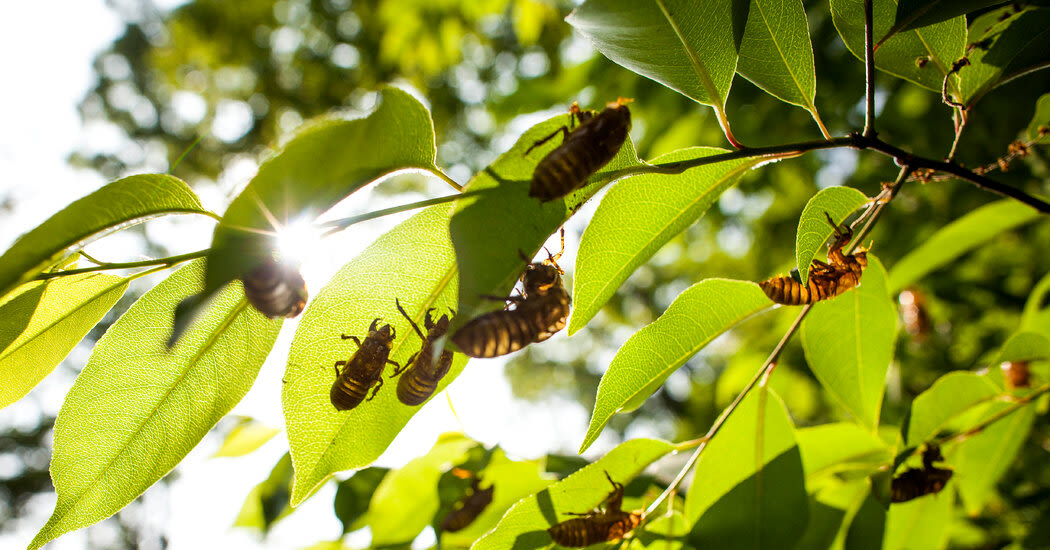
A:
[(869, 72), (446, 178), (162, 262), (338, 225)]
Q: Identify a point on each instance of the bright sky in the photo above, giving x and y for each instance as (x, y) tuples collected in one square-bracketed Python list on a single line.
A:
[(47, 74)]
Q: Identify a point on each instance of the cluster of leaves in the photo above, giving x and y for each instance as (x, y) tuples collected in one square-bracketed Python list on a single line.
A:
[(138, 408)]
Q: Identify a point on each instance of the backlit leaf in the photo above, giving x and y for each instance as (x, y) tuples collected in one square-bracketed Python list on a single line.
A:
[(950, 396), (413, 263), (939, 45), (912, 14), (41, 322), (776, 53), (1041, 119), (137, 408), (840, 446), (693, 320), (117, 204), (690, 47), (524, 526), (637, 217), (959, 237), (267, 502), (749, 488), (1006, 49), (1025, 346), (496, 221), (920, 523), (246, 437), (354, 495), (813, 226), (326, 160), (849, 341)]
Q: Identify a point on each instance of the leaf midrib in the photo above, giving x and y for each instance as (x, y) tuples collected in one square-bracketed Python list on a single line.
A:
[(809, 106), (698, 66)]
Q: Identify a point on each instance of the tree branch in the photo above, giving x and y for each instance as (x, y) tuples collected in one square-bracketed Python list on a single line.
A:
[(163, 262), (869, 71)]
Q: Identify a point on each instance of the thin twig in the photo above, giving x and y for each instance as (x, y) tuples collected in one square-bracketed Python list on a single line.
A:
[(163, 262), (977, 428), (342, 223), (869, 72)]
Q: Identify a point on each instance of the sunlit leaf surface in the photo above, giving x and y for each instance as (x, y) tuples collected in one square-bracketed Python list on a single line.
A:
[(1010, 44), (137, 408), (813, 226), (776, 53), (949, 397)]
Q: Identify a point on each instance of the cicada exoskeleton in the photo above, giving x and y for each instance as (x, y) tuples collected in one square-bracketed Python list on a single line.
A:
[(607, 522), (842, 272), (538, 313), (584, 150), (364, 369), (467, 509), (423, 371), (275, 289), (916, 482)]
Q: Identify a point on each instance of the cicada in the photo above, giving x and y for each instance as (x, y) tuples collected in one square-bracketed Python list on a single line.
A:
[(607, 522), (422, 372), (915, 482), (468, 508), (584, 150), (538, 313), (364, 369), (826, 280), (275, 289)]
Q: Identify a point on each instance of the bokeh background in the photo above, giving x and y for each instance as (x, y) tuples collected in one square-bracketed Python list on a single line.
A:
[(97, 90)]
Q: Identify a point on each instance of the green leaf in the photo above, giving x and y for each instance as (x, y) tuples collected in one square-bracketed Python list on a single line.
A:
[(867, 525), (524, 526), (496, 221), (137, 408), (354, 495), (841, 446), (512, 481), (693, 320), (912, 14), (960, 236), (41, 322), (776, 53), (950, 396), (690, 47), (637, 217), (1025, 346), (1005, 50), (981, 460), (830, 512), (267, 503), (920, 523), (325, 160), (115, 205), (940, 45), (245, 438), (407, 498), (413, 263), (661, 533), (813, 226), (1041, 118), (749, 489), (849, 343)]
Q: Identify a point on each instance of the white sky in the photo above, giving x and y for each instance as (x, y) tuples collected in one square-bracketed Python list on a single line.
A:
[(47, 71)]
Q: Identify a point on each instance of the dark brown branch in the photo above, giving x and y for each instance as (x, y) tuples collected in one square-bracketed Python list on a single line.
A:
[(869, 71)]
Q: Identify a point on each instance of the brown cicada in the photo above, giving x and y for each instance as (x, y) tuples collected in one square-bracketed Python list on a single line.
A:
[(584, 150), (364, 369), (915, 482), (467, 509), (422, 371), (607, 522), (826, 280), (275, 289)]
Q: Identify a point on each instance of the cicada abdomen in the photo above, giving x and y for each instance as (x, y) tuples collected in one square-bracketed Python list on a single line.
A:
[(915, 482), (584, 150), (606, 523), (468, 508), (275, 289), (842, 272)]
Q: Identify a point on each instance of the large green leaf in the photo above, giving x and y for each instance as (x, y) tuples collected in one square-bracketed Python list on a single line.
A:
[(408, 497), (413, 263), (940, 44), (813, 226), (267, 502), (137, 408), (831, 509), (1006, 49), (496, 221), (849, 341), (1041, 119), (912, 14), (959, 237), (324, 161), (117, 204), (693, 320), (40, 323), (841, 446), (637, 217), (524, 526), (511, 482), (920, 523), (690, 47), (981, 460), (776, 53), (749, 488), (949, 397)]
